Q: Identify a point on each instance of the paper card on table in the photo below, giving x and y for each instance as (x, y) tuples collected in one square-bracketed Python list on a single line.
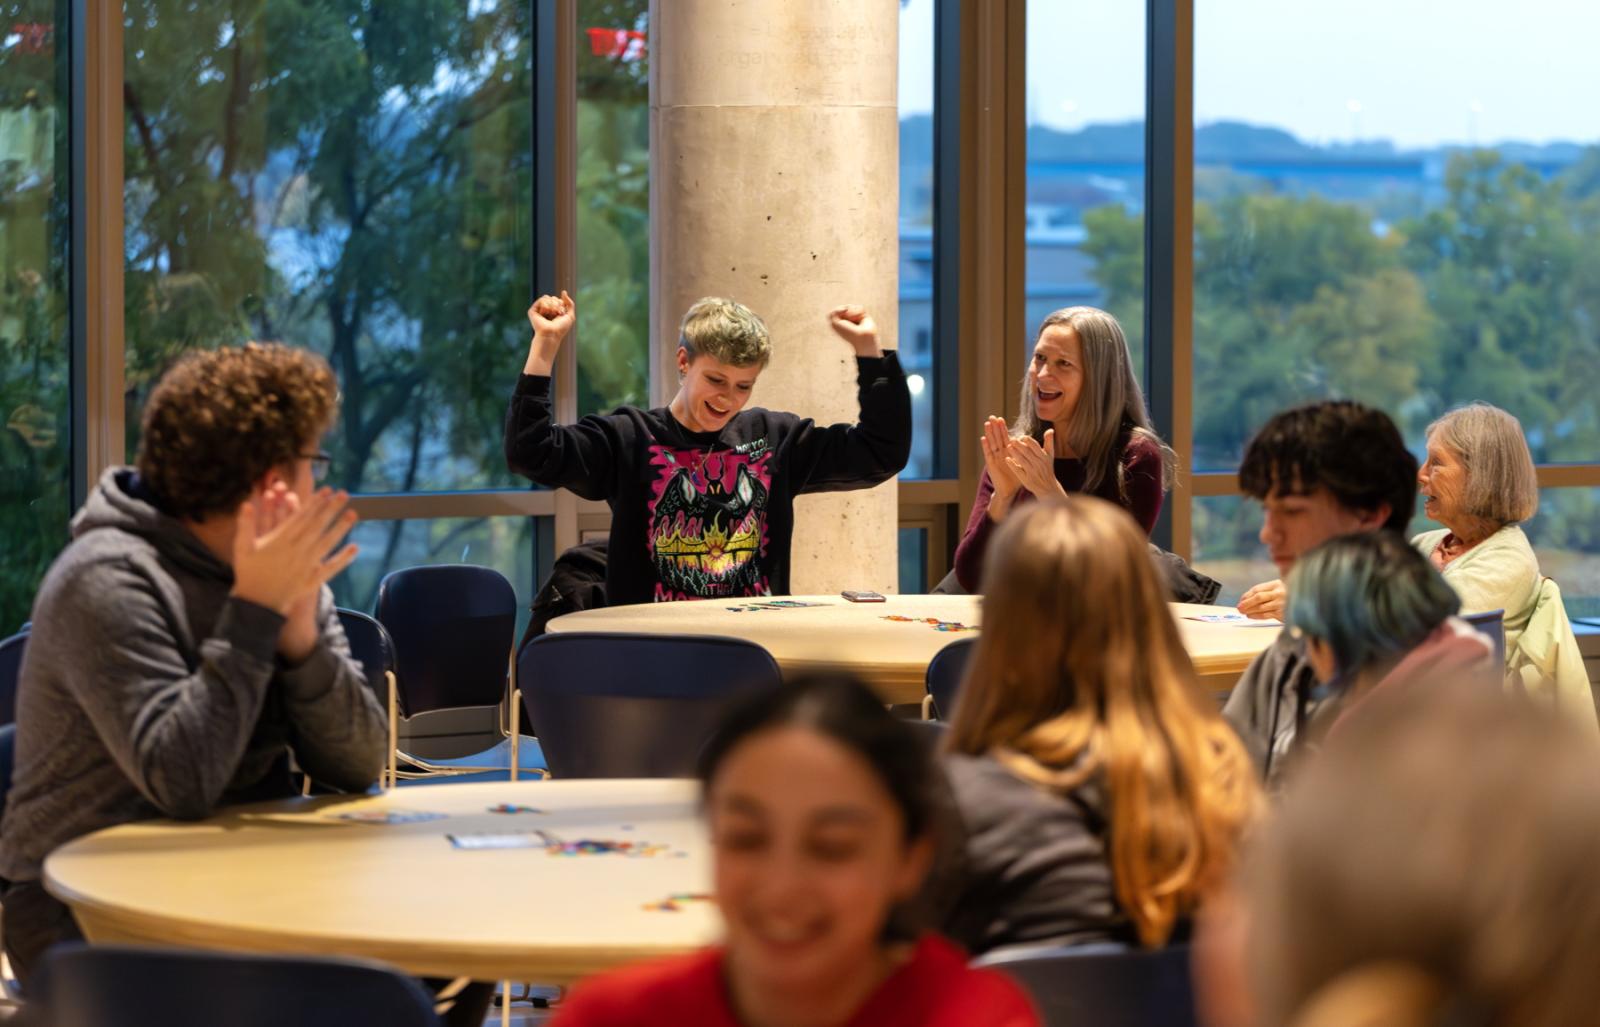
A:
[(388, 816), (520, 840), (1236, 619)]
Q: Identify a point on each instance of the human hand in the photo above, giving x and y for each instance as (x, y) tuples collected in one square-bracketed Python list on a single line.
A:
[(1265, 601), (993, 443), (299, 633), (552, 318), (1035, 465), (293, 556), (854, 325)]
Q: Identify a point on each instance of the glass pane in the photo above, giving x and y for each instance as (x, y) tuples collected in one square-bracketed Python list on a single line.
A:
[(913, 560), (354, 178), (506, 544), (613, 204), (1085, 191), (916, 231), (35, 330), (1566, 535), (1414, 228), (1226, 545)]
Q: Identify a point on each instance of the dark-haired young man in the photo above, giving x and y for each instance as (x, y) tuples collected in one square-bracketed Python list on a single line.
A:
[(184, 643), (1320, 471)]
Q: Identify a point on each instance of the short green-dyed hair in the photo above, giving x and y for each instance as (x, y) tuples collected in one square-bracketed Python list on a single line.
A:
[(1372, 597), (726, 331)]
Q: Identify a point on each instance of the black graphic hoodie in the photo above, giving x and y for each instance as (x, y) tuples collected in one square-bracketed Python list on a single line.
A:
[(705, 515)]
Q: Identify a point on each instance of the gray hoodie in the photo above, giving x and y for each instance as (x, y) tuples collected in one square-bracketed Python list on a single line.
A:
[(148, 691)]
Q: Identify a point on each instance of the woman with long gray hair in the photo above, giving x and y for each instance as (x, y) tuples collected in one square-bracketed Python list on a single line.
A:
[(1083, 428)]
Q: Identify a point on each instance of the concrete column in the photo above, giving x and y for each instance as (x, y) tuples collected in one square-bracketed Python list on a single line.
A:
[(774, 180)]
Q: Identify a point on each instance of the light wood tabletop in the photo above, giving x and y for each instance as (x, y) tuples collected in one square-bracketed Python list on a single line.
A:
[(830, 634), (294, 877)]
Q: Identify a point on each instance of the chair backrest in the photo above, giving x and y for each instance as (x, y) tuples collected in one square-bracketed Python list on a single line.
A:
[(1102, 985), (609, 705), (1493, 624), (123, 986), (8, 761), (945, 671), (371, 646), (11, 651), (452, 627)]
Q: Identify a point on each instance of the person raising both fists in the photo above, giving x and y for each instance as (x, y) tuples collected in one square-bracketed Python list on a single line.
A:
[(702, 490)]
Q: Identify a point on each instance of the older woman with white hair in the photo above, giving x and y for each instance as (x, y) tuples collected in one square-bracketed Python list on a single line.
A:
[(1479, 482)]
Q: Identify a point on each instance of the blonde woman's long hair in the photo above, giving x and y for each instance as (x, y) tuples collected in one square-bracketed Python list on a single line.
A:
[(1079, 672), (1110, 404)]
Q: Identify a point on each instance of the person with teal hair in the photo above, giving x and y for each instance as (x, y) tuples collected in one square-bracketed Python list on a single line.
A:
[(1375, 614)]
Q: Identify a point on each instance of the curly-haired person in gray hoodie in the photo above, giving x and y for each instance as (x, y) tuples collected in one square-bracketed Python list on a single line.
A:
[(185, 643)]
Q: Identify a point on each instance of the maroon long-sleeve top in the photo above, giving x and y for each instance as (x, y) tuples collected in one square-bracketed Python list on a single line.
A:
[(1141, 460)]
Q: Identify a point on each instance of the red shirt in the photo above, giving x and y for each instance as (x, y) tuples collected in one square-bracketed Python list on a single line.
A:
[(934, 988)]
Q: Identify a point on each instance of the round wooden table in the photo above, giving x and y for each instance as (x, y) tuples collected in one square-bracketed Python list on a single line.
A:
[(292, 877), (892, 656)]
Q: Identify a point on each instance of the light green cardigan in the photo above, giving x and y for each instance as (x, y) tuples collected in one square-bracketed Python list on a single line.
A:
[(1502, 573)]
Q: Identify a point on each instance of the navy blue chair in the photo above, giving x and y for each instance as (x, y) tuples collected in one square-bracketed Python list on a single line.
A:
[(122, 986), (11, 651), (453, 627), (372, 647), (945, 671), (1104, 985), (613, 705), (8, 761), (1493, 624)]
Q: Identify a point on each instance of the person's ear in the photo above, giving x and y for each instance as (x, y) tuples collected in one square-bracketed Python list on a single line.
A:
[(273, 477), (1377, 517), (914, 868), (1320, 655), (683, 363)]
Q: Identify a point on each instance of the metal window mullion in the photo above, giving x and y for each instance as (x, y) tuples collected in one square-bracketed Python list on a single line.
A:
[(95, 282), (1169, 248)]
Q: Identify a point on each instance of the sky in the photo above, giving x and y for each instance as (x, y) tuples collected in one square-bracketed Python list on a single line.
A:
[(1417, 72)]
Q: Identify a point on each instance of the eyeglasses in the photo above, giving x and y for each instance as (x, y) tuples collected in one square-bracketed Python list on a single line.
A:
[(320, 462)]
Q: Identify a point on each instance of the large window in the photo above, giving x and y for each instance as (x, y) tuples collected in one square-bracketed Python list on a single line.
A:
[(517, 547), (35, 340), (1413, 227), (353, 178), (1086, 163)]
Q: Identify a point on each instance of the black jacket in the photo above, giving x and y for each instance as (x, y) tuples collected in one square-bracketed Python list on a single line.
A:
[(702, 515)]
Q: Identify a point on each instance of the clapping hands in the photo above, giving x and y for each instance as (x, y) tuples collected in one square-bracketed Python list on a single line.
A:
[(1017, 463), (1035, 465), (284, 551)]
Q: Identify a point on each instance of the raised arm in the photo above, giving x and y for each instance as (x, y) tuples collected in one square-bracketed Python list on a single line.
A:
[(581, 457), (876, 448)]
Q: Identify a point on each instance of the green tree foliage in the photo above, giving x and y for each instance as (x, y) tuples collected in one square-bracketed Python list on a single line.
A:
[(349, 176), (613, 205), (35, 341), (1508, 264), (1491, 294)]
